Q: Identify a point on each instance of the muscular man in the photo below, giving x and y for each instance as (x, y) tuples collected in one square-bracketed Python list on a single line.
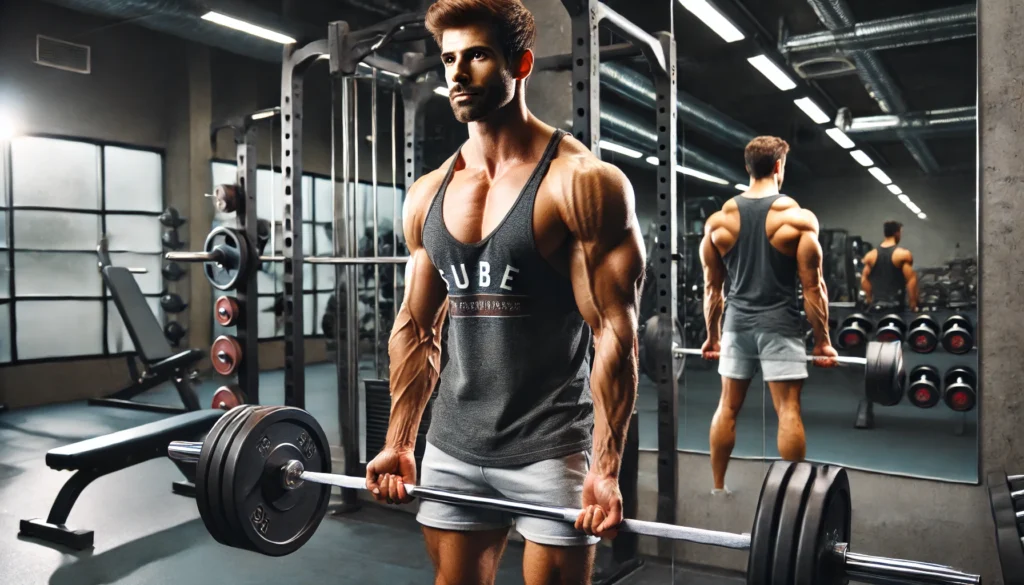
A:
[(764, 241), (522, 238), (889, 271)]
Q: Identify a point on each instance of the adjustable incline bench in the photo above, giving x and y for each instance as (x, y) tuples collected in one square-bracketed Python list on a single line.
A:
[(99, 456), (160, 363)]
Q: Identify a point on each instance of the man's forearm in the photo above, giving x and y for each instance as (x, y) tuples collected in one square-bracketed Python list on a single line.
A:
[(865, 285), (816, 307), (415, 354), (613, 383), (912, 293), (714, 306)]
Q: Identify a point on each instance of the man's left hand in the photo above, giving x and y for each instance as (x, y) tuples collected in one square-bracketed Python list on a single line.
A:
[(602, 506)]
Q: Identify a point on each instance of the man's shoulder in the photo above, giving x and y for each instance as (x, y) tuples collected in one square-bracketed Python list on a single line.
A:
[(579, 172)]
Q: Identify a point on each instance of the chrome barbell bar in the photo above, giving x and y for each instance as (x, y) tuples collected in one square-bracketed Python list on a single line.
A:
[(864, 568), (214, 257)]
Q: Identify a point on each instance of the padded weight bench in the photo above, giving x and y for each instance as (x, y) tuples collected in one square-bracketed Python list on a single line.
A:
[(159, 361), (99, 456)]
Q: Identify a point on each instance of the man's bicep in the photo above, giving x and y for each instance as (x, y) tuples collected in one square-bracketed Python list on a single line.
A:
[(714, 268), (808, 255)]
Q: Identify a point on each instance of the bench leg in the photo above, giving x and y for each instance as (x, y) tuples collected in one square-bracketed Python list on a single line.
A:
[(53, 530), (185, 390)]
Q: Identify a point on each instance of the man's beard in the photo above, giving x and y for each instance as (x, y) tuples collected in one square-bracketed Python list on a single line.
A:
[(485, 99)]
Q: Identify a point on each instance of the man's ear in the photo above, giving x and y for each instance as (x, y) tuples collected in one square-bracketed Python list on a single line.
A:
[(525, 65)]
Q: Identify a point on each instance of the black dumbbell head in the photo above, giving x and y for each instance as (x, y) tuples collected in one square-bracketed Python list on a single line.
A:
[(171, 218), (172, 303), (923, 390), (957, 335)]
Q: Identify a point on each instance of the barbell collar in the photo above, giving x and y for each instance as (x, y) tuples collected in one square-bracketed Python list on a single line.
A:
[(138, 270), (856, 361), (885, 571), (185, 451)]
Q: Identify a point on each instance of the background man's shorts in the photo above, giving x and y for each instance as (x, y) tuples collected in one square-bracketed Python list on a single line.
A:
[(781, 357), (552, 482)]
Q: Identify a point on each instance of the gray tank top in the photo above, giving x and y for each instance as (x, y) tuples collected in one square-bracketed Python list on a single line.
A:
[(762, 290), (886, 280), (515, 388)]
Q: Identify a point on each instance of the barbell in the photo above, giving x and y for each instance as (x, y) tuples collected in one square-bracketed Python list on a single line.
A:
[(263, 483), (227, 258), (884, 374)]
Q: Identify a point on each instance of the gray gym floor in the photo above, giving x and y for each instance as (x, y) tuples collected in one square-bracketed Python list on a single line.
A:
[(146, 535)]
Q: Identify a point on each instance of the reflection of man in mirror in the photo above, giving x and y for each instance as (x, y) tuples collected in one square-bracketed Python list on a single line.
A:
[(888, 272), (763, 241)]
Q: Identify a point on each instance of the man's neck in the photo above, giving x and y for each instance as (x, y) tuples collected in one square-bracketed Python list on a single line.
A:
[(506, 136), (760, 188), (889, 242)]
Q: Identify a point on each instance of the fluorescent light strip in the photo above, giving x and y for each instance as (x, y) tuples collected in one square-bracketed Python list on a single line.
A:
[(913, 207), (880, 175), (922, 215), (625, 150), (740, 187), (895, 190), (713, 19), (700, 175), (652, 160), (841, 139), (265, 114), (772, 72), (816, 114), (7, 127), (863, 159), (246, 27), (905, 198), (442, 91)]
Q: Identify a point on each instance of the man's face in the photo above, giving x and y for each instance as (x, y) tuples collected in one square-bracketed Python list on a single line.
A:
[(480, 81)]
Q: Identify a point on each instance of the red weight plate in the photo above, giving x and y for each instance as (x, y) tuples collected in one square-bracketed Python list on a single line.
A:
[(226, 311), (228, 397), (226, 355)]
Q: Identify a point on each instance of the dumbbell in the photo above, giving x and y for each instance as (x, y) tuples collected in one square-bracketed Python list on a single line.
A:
[(957, 334), (923, 389), (891, 328), (226, 311), (959, 393), (924, 334), (854, 331)]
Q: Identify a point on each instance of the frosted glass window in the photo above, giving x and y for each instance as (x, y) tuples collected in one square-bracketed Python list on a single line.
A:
[(118, 339), (5, 333), (223, 173), (309, 313), (267, 321), (56, 230), (5, 279), (324, 201), (133, 179), (136, 233), (56, 274), (152, 282), (3, 224), (324, 239), (38, 182), (267, 191), (325, 277), (321, 309), (44, 332), (274, 273)]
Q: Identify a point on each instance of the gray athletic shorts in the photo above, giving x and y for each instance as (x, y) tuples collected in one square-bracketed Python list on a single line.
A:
[(781, 357), (551, 482)]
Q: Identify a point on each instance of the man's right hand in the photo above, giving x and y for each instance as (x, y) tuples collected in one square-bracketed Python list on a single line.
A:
[(388, 473), (825, 351), (711, 350)]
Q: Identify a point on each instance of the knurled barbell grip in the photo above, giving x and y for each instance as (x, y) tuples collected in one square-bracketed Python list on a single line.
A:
[(856, 361)]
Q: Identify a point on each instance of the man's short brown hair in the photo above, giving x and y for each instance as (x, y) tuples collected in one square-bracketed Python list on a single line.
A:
[(512, 23), (762, 153)]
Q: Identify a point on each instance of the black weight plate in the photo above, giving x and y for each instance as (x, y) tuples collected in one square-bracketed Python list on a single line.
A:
[(276, 522), (226, 489), (651, 340), (923, 391), (766, 523), (965, 374), (204, 477), (226, 275), (790, 518), (884, 375), (826, 521), (960, 320), (215, 487), (1008, 544), (923, 339), (894, 320)]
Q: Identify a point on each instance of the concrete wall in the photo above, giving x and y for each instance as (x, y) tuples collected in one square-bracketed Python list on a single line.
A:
[(860, 204)]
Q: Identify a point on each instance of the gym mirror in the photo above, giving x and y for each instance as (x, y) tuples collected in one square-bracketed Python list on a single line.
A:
[(877, 102)]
